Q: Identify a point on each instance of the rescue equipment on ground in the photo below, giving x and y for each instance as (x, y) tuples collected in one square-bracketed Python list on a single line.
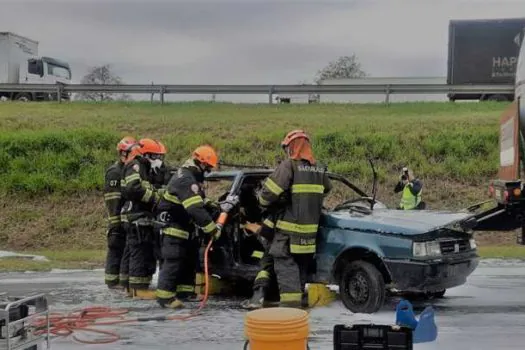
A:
[(277, 327), (371, 336), (424, 330), (17, 331)]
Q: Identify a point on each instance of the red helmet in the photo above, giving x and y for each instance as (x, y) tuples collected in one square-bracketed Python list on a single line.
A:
[(151, 146), (126, 144), (206, 155), (292, 135)]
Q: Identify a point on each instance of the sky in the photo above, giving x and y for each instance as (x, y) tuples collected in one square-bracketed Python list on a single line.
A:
[(245, 41)]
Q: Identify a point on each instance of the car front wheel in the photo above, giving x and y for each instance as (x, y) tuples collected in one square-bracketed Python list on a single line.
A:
[(362, 287)]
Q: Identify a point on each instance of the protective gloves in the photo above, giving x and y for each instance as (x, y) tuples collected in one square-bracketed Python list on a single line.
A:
[(229, 203)]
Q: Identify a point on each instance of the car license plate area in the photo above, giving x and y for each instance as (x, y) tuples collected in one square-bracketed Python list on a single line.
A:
[(454, 270)]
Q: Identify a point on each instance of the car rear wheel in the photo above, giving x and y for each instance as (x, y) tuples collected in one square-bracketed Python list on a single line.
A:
[(362, 287)]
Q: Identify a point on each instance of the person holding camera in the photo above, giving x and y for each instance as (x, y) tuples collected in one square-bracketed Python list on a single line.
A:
[(411, 188)]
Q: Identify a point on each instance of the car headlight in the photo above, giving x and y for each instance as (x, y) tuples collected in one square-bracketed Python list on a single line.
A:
[(430, 248), (472, 243)]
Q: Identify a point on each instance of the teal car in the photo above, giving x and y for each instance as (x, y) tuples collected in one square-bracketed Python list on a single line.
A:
[(363, 247)]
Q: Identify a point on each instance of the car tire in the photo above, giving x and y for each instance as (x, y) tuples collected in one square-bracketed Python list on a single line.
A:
[(362, 287)]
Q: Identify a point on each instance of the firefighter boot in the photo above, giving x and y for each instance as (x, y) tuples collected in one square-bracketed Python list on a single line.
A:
[(256, 301), (172, 303), (144, 294), (190, 297)]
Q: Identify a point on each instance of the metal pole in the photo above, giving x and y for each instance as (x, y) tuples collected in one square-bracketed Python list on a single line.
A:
[(387, 95), (162, 89), (270, 95), (152, 94), (59, 93)]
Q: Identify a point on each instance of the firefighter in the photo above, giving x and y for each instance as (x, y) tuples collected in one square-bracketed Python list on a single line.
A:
[(411, 187), (181, 209), (116, 233), (141, 198), (293, 246)]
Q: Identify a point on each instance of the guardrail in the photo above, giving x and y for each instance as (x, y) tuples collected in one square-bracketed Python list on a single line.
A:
[(386, 89)]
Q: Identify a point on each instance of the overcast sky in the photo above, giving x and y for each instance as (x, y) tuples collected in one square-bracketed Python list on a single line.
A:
[(245, 41)]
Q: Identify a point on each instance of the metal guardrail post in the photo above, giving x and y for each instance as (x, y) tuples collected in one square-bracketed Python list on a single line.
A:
[(387, 94), (59, 93), (270, 94), (162, 91)]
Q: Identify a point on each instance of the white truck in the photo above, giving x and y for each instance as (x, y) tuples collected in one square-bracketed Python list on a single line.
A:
[(20, 64)]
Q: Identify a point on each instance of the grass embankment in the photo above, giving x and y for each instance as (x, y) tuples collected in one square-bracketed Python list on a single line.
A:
[(53, 156)]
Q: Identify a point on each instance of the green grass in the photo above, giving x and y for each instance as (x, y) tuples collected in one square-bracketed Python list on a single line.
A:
[(47, 147), (71, 259), (54, 155)]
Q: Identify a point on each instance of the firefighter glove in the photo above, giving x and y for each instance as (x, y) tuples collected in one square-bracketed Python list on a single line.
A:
[(229, 203)]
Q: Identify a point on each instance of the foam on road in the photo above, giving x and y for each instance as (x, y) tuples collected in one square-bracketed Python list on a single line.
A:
[(485, 314)]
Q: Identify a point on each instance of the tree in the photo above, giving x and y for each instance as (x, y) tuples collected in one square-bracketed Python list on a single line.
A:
[(345, 67), (102, 75)]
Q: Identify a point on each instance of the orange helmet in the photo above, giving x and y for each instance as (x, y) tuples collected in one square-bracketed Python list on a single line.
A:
[(292, 135), (151, 146), (126, 144), (206, 155)]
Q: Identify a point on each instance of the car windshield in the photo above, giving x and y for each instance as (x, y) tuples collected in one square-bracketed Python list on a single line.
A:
[(58, 71)]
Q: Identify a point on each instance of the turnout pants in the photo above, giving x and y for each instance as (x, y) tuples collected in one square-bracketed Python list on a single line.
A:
[(116, 240), (142, 262), (177, 275), (291, 270), (266, 279)]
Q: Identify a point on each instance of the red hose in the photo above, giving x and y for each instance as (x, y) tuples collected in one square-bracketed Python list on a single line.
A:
[(64, 325)]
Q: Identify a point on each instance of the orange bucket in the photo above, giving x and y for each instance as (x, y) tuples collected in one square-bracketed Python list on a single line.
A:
[(280, 328)]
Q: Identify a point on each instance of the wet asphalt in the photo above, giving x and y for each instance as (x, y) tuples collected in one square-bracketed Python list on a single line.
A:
[(486, 313)]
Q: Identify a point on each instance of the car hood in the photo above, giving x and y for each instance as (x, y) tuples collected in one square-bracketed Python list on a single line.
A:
[(406, 222)]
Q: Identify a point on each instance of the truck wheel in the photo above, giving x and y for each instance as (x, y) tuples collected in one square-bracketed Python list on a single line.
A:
[(362, 287)]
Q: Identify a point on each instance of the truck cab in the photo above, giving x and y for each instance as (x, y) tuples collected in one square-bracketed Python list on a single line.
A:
[(21, 64)]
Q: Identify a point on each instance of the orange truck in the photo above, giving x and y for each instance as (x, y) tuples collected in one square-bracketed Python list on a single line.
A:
[(507, 192)]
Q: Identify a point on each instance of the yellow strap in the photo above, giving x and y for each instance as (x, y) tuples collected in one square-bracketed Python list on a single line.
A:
[(269, 223), (192, 201), (307, 188), (297, 228), (175, 232)]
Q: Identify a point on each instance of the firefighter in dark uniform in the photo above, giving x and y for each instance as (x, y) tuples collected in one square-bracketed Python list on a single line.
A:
[(141, 198), (183, 207), (293, 246), (116, 233)]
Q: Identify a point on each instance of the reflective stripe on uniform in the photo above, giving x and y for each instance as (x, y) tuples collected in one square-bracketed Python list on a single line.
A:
[(175, 232), (273, 187), (132, 177), (114, 219), (110, 277), (307, 188), (302, 249), (291, 297), (123, 277), (257, 254), (192, 201), (171, 198), (269, 223), (147, 196), (164, 294), (209, 228), (182, 288), (297, 228), (263, 201), (263, 274), (112, 195)]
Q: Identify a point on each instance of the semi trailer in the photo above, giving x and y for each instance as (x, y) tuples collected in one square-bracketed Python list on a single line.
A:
[(20, 64), (483, 52)]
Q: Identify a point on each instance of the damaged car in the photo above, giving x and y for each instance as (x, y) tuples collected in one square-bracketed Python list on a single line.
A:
[(363, 247)]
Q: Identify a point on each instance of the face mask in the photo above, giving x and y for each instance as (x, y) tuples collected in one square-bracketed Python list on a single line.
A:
[(155, 164)]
